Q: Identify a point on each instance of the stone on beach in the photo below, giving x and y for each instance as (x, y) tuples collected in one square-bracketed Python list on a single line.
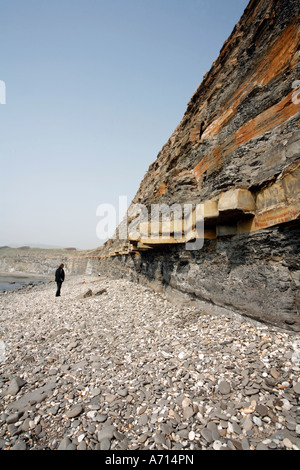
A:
[(129, 370)]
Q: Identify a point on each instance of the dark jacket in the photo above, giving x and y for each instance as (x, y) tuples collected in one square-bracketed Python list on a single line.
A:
[(59, 275)]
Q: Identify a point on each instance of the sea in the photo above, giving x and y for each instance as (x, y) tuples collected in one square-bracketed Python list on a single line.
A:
[(12, 281)]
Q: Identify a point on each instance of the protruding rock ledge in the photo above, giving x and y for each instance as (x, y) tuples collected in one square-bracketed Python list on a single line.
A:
[(237, 210)]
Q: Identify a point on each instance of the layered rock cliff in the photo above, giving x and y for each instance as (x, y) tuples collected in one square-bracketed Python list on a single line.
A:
[(237, 153), (37, 261)]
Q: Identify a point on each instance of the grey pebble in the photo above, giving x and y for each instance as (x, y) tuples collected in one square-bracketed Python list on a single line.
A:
[(224, 387), (64, 444), (236, 428), (207, 435), (143, 420), (82, 446), (105, 444), (19, 445), (297, 388), (101, 418), (248, 424), (71, 447), (106, 433), (245, 444), (15, 385), (13, 430), (159, 439), (262, 410), (74, 411), (13, 418), (188, 412), (261, 446)]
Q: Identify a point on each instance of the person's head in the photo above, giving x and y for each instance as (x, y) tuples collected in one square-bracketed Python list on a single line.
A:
[(62, 265)]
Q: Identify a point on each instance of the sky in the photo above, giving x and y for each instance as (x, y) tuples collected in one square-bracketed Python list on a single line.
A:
[(93, 90)]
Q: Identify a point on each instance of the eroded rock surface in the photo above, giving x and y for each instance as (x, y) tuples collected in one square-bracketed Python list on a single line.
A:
[(237, 152)]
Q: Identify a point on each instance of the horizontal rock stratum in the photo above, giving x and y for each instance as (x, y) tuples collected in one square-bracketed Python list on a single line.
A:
[(237, 153)]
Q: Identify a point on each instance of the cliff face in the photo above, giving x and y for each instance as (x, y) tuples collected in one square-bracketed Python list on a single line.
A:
[(241, 127), (237, 152)]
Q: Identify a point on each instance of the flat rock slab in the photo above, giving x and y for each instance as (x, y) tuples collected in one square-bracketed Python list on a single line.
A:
[(74, 411), (36, 396)]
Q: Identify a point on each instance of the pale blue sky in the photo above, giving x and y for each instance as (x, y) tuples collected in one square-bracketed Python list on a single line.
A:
[(94, 89)]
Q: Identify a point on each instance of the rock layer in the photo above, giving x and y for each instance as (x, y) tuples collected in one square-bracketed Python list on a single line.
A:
[(241, 127)]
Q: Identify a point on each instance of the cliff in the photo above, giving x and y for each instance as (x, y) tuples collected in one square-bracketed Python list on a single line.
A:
[(236, 153), (42, 261)]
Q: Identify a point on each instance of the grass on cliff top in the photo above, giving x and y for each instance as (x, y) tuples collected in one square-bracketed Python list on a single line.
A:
[(8, 251)]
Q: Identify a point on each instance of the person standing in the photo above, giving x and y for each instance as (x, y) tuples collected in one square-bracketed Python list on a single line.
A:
[(59, 278)]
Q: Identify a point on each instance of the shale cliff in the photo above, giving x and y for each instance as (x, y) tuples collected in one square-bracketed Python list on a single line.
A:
[(237, 153), (41, 261)]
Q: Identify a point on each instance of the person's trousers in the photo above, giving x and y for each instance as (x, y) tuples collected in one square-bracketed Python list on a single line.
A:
[(59, 283)]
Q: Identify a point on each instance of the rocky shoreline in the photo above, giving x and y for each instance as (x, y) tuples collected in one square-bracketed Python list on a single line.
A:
[(18, 281), (128, 370)]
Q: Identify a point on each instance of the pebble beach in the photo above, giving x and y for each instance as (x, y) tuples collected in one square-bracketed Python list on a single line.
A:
[(122, 368)]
